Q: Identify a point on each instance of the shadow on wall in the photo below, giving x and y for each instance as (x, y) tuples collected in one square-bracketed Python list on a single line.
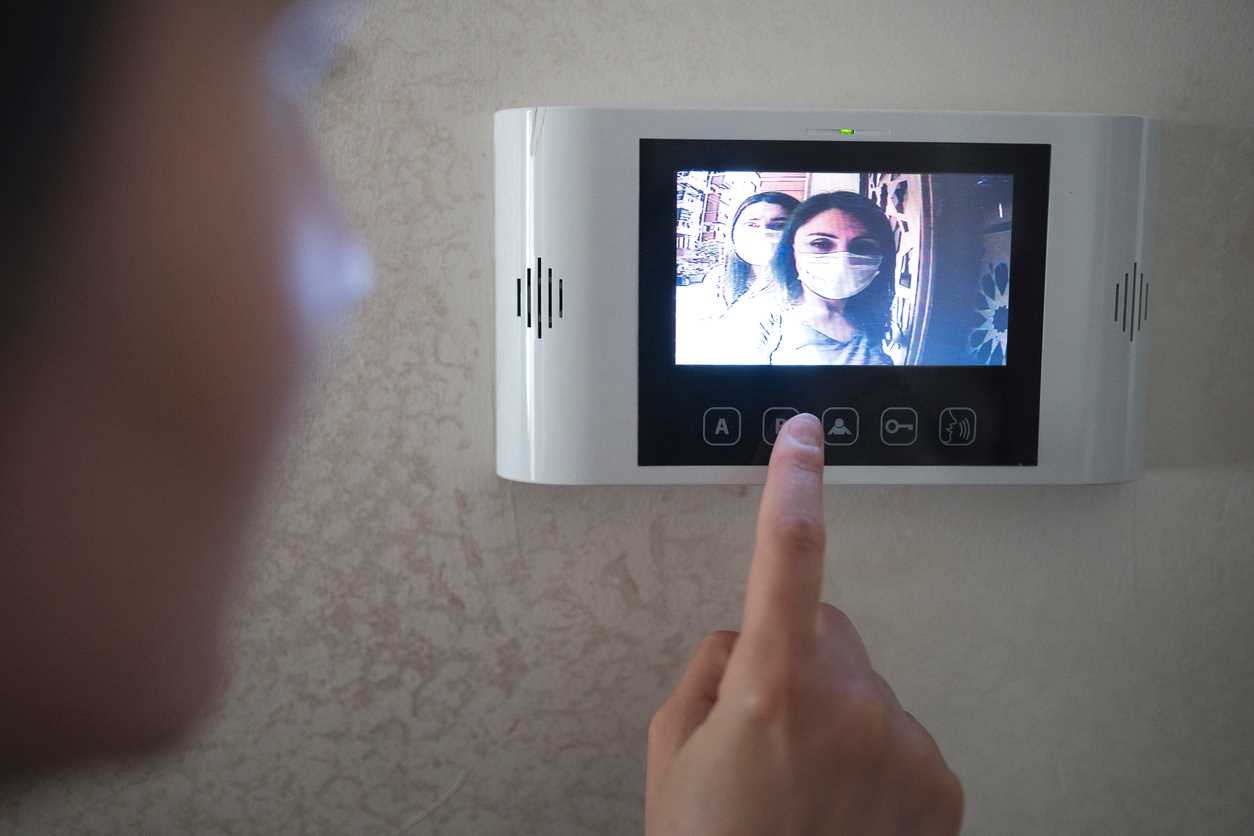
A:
[(1201, 389)]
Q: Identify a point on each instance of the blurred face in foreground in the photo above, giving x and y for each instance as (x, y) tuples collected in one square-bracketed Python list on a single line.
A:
[(194, 260)]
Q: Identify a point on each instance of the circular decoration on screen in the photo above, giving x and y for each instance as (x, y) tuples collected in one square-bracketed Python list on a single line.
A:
[(988, 339)]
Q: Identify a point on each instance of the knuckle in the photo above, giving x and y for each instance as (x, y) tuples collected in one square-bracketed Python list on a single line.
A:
[(773, 700), (862, 728), (942, 805), (800, 456), (660, 724), (952, 803), (719, 641), (800, 533), (757, 705), (927, 755), (834, 620), (937, 796), (886, 690)]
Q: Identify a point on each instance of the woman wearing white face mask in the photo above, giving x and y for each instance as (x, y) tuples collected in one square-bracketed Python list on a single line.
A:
[(756, 230), (835, 262), (714, 314)]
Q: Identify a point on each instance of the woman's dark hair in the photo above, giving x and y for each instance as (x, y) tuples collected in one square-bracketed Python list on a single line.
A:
[(48, 53), (870, 310), (739, 272)]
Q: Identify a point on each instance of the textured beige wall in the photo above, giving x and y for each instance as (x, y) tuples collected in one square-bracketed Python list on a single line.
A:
[(426, 649)]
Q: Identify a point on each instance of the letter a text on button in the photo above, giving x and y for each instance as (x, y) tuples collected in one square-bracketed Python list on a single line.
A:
[(721, 426)]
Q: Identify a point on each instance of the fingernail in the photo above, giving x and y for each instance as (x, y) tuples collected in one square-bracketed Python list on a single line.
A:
[(806, 429)]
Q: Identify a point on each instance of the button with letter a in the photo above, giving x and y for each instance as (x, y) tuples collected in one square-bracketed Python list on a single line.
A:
[(722, 426)]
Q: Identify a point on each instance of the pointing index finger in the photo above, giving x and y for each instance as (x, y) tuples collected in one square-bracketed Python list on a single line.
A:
[(786, 577)]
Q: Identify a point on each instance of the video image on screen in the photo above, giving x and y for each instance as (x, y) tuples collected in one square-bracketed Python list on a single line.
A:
[(842, 268)]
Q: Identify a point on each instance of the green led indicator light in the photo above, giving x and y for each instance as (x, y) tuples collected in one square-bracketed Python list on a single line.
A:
[(846, 131)]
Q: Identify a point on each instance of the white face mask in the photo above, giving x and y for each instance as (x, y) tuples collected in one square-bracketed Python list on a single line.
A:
[(757, 248), (837, 275)]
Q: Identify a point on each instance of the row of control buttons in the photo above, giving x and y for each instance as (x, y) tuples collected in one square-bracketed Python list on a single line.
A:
[(899, 426)]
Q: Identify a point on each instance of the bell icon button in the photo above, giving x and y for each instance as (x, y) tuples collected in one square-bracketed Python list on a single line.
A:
[(722, 426)]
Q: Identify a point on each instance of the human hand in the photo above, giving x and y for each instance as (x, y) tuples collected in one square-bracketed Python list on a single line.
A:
[(785, 729)]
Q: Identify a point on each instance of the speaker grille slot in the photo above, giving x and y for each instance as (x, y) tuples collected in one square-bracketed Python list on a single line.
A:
[(543, 305), (1132, 302)]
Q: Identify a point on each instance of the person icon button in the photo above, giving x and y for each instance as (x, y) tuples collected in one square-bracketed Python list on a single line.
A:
[(840, 426), (722, 426)]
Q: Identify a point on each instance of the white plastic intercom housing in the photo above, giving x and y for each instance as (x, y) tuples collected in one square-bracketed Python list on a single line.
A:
[(578, 398)]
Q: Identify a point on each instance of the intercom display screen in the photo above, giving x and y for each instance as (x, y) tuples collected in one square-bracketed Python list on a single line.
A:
[(895, 289), (853, 268)]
